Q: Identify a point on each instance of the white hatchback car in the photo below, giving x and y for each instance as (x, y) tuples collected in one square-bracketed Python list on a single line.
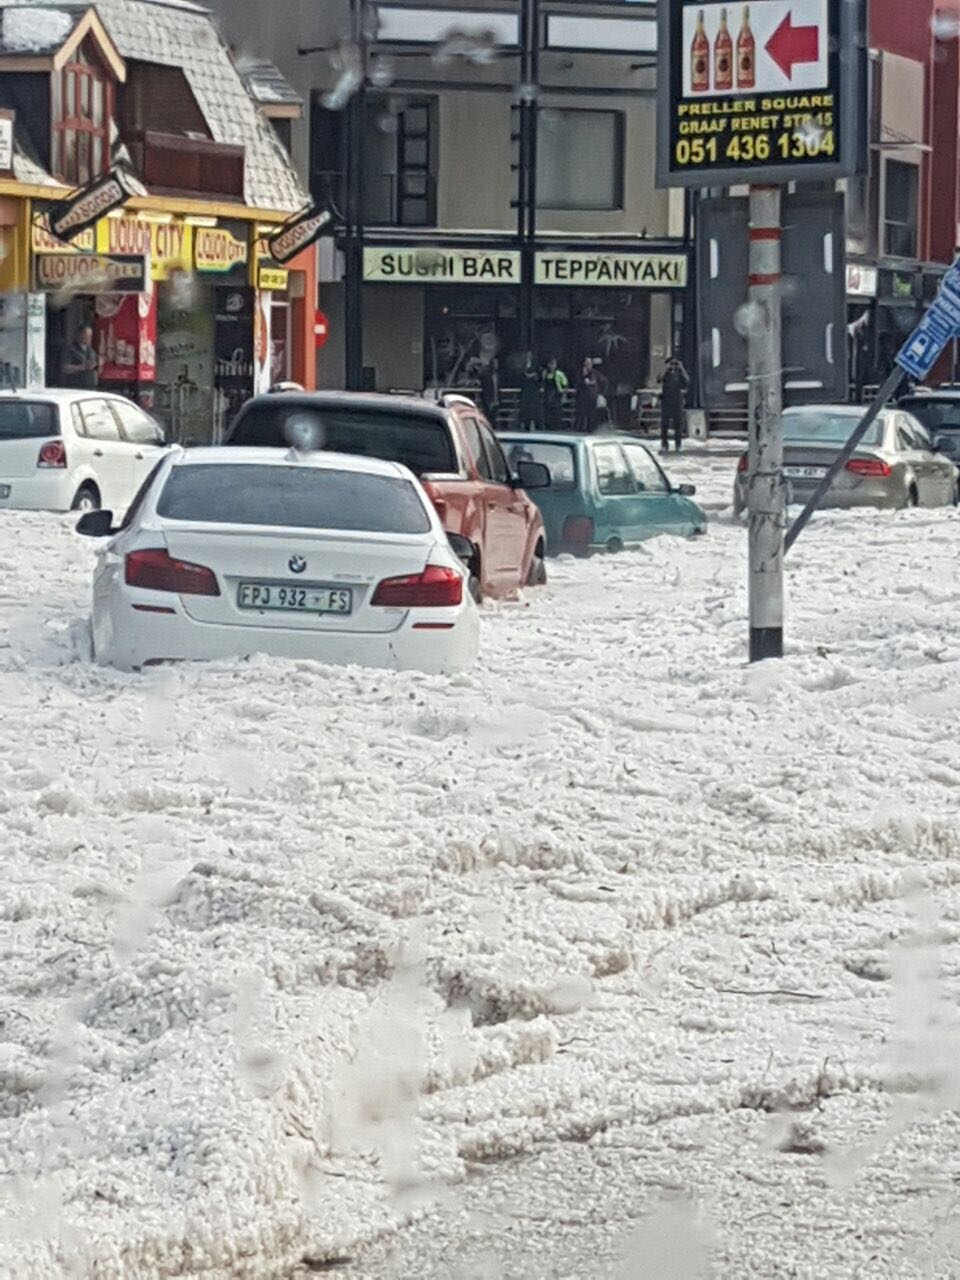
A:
[(74, 450), (231, 552)]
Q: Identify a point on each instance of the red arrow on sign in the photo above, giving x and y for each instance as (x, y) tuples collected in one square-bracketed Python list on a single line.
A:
[(789, 45)]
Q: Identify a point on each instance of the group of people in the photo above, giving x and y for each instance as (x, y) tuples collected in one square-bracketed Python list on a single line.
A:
[(542, 391), (542, 394)]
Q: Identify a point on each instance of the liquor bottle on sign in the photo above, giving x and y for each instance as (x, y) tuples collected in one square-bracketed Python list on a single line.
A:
[(746, 54), (700, 58), (723, 56)]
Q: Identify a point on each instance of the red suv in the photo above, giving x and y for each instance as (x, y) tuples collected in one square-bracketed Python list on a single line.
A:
[(448, 445)]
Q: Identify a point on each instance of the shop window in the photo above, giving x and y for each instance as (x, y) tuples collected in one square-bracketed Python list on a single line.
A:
[(81, 129), (900, 209), (580, 159)]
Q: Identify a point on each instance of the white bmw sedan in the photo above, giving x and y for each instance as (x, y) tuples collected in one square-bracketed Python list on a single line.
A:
[(228, 553)]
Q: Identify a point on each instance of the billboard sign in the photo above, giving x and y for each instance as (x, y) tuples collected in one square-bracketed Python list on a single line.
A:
[(765, 92)]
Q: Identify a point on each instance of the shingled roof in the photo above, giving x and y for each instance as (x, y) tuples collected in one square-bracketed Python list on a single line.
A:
[(176, 33)]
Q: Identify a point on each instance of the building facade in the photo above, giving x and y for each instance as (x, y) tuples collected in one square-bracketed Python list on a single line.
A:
[(902, 215), (492, 169), (190, 315)]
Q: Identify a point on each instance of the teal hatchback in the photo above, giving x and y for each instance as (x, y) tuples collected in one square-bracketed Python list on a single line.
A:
[(606, 492)]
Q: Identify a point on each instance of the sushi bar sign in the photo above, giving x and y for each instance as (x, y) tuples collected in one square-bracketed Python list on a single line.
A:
[(766, 92)]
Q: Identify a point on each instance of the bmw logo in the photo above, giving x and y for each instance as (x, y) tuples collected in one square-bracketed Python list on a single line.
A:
[(297, 564)]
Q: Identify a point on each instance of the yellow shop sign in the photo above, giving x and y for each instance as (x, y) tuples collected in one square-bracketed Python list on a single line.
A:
[(43, 241), (168, 245), (217, 249)]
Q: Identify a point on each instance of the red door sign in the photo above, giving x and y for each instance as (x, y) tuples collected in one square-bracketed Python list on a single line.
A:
[(321, 329)]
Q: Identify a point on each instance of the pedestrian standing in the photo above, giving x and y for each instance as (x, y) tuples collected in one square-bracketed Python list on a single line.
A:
[(555, 383), (530, 408), (81, 368), (591, 396), (489, 378), (674, 384)]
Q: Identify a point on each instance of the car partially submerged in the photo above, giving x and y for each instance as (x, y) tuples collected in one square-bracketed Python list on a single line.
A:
[(229, 553), (606, 492), (896, 464)]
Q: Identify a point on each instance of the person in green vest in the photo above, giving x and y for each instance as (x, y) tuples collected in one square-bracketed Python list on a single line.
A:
[(555, 383)]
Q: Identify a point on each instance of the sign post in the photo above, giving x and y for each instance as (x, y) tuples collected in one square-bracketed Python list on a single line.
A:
[(765, 95)]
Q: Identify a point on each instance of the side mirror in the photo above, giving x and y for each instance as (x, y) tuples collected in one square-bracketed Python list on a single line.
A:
[(462, 547), (937, 445), (532, 475), (96, 524), (687, 490)]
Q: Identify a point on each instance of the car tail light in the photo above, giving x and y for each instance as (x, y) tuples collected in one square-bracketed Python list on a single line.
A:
[(438, 586), (52, 454), (578, 530), (155, 570), (868, 467), (742, 465)]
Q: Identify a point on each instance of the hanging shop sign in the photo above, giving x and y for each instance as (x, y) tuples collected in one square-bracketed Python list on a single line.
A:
[(613, 270), (68, 218), (42, 239), (300, 232), (169, 245), (91, 272), (421, 265), (273, 279), (773, 92), (216, 249)]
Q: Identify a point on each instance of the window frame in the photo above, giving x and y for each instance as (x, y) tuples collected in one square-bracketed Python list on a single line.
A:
[(619, 162), (494, 452), (88, 434), (613, 444), (70, 126), (118, 406), (627, 446), (898, 225)]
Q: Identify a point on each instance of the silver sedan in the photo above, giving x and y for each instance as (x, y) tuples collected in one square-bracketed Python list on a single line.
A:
[(896, 464)]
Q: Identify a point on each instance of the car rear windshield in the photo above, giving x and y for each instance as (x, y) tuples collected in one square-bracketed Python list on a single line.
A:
[(421, 443), (936, 415), (821, 427), (27, 420), (296, 497), (557, 458)]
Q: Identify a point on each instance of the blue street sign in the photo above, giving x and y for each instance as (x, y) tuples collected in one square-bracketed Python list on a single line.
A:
[(940, 324)]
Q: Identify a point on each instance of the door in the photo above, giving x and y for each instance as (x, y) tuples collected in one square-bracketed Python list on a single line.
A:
[(142, 436), (655, 509), (617, 490), (110, 459), (937, 467), (507, 515)]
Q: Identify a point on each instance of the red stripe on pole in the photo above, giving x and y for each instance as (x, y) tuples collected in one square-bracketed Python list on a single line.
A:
[(764, 279), (765, 233)]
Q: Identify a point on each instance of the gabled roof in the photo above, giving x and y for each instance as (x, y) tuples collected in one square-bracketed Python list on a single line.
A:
[(42, 37), (175, 33)]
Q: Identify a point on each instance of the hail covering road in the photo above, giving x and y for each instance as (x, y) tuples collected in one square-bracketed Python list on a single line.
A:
[(613, 950)]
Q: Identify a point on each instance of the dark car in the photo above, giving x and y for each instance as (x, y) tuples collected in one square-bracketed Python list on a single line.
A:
[(939, 411)]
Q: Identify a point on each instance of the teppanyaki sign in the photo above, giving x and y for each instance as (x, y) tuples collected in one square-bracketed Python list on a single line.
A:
[(613, 270), (777, 98), (69, 218)]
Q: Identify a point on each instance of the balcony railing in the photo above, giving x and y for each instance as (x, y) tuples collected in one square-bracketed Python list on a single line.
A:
[(169, 163)]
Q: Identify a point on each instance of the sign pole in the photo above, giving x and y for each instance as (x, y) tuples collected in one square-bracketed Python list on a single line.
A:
[(764, 374)]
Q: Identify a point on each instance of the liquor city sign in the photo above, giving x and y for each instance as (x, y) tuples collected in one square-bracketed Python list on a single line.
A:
[(769, 92)]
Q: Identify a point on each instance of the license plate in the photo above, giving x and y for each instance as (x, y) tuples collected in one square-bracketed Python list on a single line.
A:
[(805, 473), (290, 599), (4, 491)]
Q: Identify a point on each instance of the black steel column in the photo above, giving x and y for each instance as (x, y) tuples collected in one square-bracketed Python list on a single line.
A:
[(353, 248), (527, 177)]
